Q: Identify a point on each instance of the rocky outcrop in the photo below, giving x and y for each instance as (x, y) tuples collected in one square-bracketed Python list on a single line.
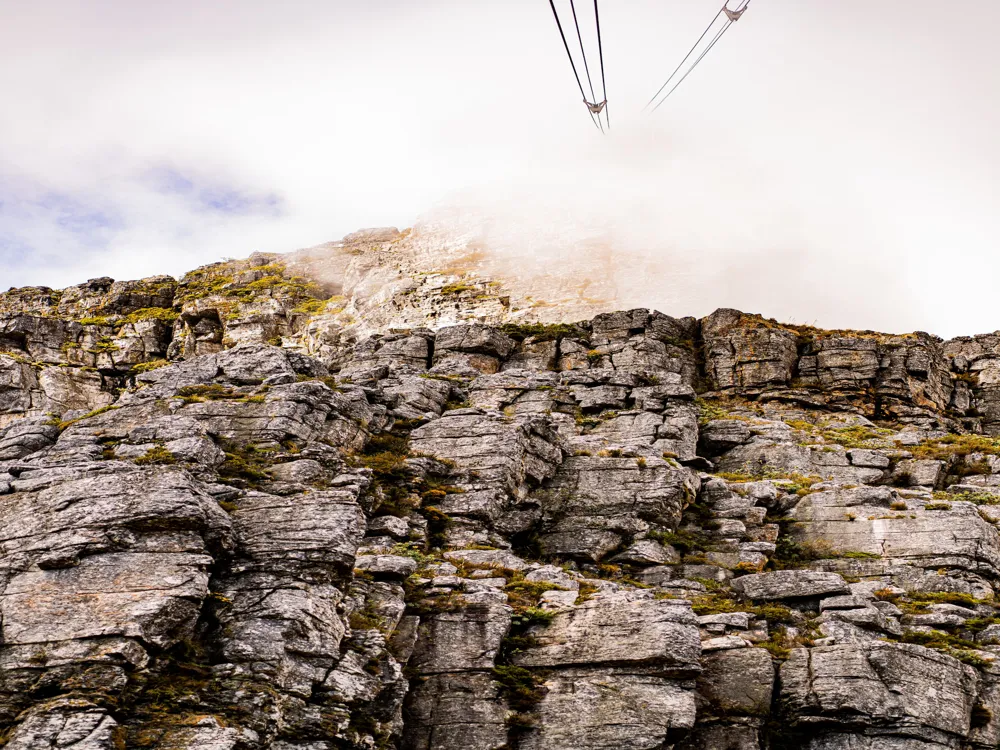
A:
[(345, 499)]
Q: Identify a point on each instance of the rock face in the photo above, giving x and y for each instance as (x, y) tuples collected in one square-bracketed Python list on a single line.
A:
[(344, 499)]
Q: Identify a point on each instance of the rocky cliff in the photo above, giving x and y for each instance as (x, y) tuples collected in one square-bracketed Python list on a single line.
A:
[(377, 495)]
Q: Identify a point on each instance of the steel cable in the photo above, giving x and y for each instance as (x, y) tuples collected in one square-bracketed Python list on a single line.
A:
[(600, 50), (586, 68), (570, 56), (708, 49), (681, 63)]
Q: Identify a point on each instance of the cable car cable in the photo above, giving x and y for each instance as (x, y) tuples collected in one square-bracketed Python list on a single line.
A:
[(708, 49), (586, 68), (570, 56), (694, 65), (681, 63), (600, 50)]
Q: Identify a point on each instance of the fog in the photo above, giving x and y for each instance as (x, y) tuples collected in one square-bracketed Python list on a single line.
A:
[(828, 163)]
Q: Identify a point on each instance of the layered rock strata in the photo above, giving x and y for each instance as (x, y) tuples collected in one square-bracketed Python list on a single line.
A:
[(249, 510)]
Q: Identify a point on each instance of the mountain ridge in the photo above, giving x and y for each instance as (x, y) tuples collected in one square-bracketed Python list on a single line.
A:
[(382, 493)]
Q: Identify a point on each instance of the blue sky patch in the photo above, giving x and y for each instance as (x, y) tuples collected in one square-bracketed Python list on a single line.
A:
[(205, 195)]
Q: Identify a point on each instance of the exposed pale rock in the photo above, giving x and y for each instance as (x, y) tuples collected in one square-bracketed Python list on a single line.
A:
[(789, 584), (487, 558), (617, 629), (859, 685), (391, 566), (608, 708), (594, 503), (860, 520), (737, 682), (456, 711), (464, 640)]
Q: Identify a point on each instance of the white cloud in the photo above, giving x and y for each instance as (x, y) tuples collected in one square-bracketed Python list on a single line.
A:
[(828, 162)]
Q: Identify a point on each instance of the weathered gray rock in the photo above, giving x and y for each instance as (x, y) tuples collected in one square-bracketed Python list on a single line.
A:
[(486, 558), (455, 711), (861, 520), (789, 584), (75, 724), (389, 566), (723, 736), (464, 640), (609, 708), (744, 351), (619, 629), (594, 503), (507, 454), (914, 689), (736, 682)]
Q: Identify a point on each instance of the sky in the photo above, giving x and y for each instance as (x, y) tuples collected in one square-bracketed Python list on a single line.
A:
[(831, 163)]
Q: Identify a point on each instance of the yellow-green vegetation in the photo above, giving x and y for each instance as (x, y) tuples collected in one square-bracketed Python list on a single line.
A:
[(725, 407), (524, 596), (108, 448), (365, 618), (154, 364), (457, 288), (585, 592), (156, 456), (588, 422), (779, 645), (857, 436), (310, 307), (962, 649), (245, 465), (540, 332), (520, 686), (791, 482), (719, 603), (808, 333), (398, 492), (684, 541), (104, 346), (916, 602), (979, 498), (228, 280), (955, 446), (410, 550), (437, 525), (386, 455), (88, 415), (21, 359), (192, 394), (419, 602), (163, 314), (96, 320), (34, 300), (777, 617), (618, 574), (791, 554), (455, 403), (331, 382)]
